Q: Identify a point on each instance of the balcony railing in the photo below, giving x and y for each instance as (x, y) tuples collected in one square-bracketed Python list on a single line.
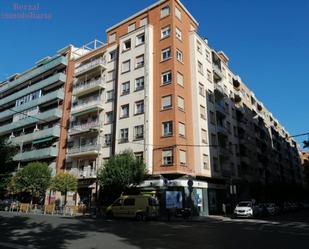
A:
[(50, 132), (94, 148), (83, 173), (98, 63), (84, 127), (39, 118), (36, 154), (37, 71), (88, 86), (91, 104)]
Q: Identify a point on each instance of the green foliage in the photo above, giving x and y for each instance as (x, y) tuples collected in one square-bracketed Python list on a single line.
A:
[(120, 172), (7, 165), (33, 178), (64, 182)]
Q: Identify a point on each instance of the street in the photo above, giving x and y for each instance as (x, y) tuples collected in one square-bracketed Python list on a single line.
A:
[(20, 231)]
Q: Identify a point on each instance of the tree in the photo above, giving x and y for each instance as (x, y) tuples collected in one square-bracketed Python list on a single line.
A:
[(33, 178), (7, 165), (120, 172), (64, 182)]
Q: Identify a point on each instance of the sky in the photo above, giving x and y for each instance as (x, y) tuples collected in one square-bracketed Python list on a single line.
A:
[(267, 42)]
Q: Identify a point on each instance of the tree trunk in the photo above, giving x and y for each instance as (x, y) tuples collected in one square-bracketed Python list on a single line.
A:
[(65, 198)]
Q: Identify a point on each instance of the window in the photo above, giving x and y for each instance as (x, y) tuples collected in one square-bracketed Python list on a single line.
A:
[(111, 75), (144, 21), (205, 161), (180, 103), (167, 128), (209, 77), (179, 55), (228, 126), (125, 88), (200, 67), (139, 107), (139, 83), (212, 117), (167, 157), (126, 45), (112, 55), (110, 95), (109, 118), (210, 96), (166, 77), (140, 39), (199, 47), (207, 55), (179, 79), (216, 164), (201, 89), (139, 156), (112, 37), (139, 132), (204, 136), (108, 139), (235, 131), (125, 66), (139, 61), (182, 157), (165, 11), (181, 129), (166, 54), (213, 139), (178, 34), (124, 111), (131, 27), (165, 32), (203, 112), (178, 13), (129, 202), (166, 102), (124, 134)]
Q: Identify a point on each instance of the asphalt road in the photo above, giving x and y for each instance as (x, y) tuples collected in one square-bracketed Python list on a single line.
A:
[(20, 231)]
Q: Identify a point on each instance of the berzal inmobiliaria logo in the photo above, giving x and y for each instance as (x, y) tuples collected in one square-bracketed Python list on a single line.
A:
[(15, 10)]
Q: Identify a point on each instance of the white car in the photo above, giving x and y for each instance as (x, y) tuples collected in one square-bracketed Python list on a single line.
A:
[(246, 209)]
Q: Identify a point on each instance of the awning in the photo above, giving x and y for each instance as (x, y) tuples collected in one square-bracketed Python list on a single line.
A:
[(42, 140)]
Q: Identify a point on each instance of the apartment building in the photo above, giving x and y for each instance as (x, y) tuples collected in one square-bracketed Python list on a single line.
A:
[(35, 108), (156, 87)]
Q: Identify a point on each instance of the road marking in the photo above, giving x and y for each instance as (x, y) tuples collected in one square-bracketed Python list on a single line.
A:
[(15, 246)]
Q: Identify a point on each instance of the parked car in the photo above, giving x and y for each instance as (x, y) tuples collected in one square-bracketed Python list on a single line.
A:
[(140, 207), (247, 209), (272, 208)]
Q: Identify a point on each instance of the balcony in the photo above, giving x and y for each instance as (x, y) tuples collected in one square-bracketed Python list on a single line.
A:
[(36, 154), (83, 173), (86, 150), (59, 94), (218, 75), (90, 67), (236, 83), (42, 117), (88, 87), (47, 133), (60, 77), (222, 130), (37, 71), (81, 128), (237, 98), (86, 107), (219, 91)]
